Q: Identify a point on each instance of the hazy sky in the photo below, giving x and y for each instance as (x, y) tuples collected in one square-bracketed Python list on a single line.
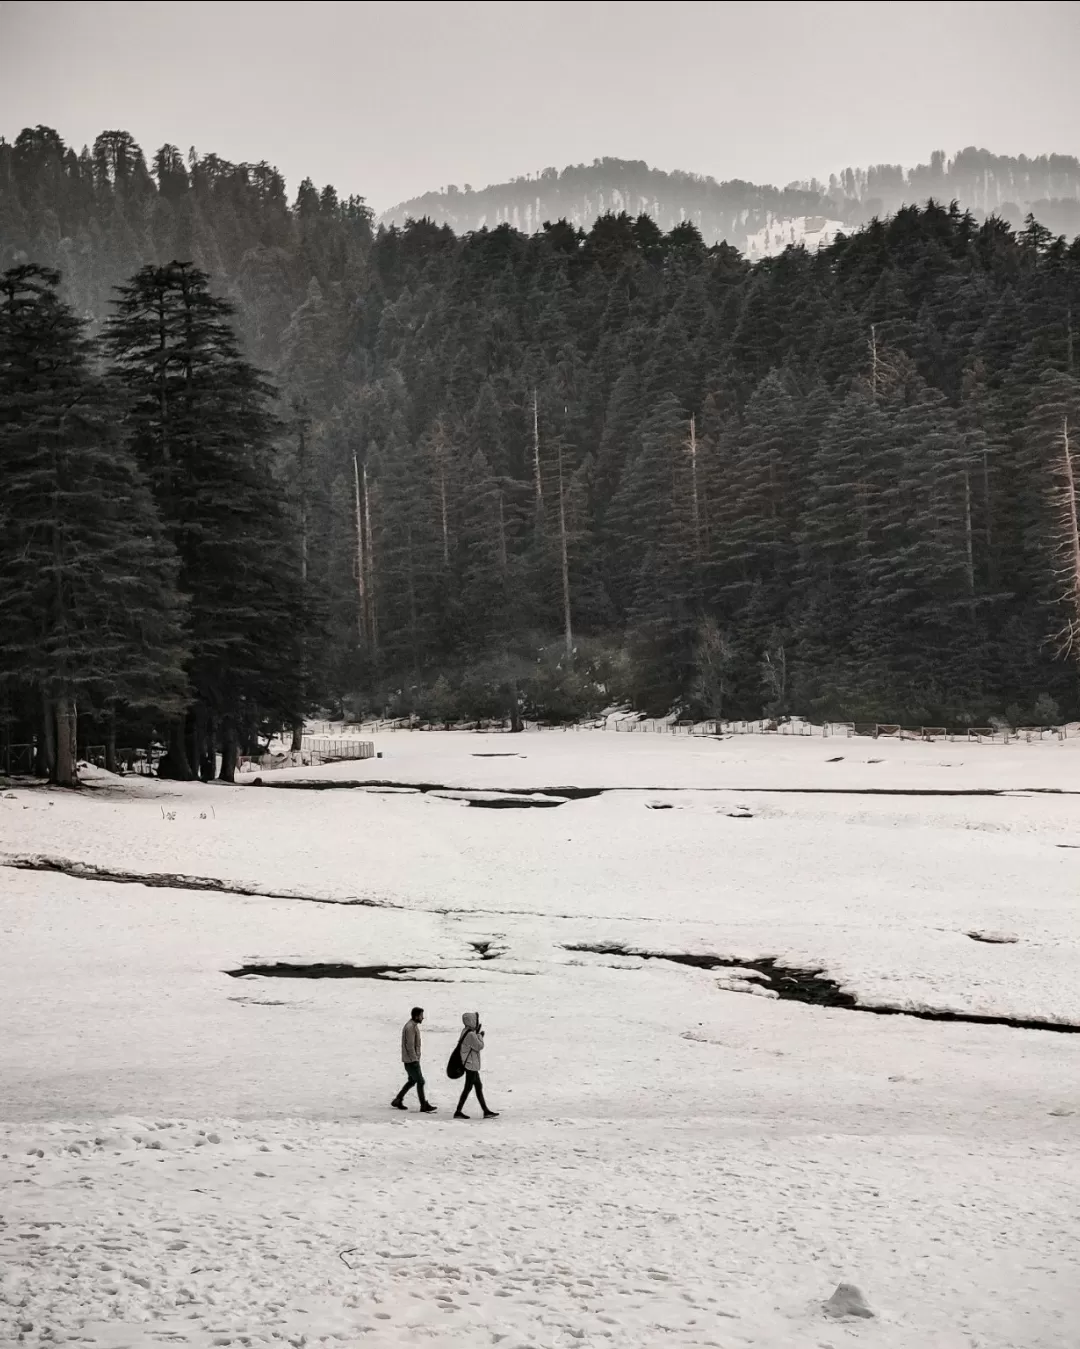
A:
[(390, 100)]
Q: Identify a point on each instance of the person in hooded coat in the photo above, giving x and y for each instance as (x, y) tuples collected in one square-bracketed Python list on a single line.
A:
[(470, 1047)]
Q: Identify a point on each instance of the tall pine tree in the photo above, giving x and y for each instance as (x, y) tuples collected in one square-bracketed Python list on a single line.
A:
[(90, 618)]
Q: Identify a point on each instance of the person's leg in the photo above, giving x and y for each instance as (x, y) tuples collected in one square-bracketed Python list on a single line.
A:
[(471, 1080), (479, 1086), (413, 1072), (419, 1079)]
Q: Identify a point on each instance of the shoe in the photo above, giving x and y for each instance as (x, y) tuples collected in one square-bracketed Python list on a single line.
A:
[(428, 1109), (458, 1114), (399, 1105), (491, 1114)]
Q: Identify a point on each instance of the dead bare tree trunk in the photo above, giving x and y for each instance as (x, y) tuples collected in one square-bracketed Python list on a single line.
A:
[(414, 634), (564, 562), (361, 554), (1068, 542), (969, 544), (988, 522), (440, 463), (537, 481), (302, 466), (695, 501), (373, 626), (64, 774), (502, 533)]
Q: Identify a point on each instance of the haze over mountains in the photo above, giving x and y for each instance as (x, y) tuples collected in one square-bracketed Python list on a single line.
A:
[(758, 219)]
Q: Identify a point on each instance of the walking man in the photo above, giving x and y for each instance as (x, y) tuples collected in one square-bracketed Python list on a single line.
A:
[(470, 1047), (410, 1057)]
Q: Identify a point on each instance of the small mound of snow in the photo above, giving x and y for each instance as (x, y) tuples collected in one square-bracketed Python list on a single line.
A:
[(847, 1300)]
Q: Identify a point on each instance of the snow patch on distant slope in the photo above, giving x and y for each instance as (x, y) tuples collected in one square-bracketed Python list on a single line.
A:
[(780, 232)]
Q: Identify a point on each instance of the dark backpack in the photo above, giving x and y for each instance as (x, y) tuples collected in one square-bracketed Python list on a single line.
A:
[(455, 1066)]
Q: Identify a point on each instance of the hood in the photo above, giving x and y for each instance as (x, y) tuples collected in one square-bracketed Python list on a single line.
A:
[(471, 1020)]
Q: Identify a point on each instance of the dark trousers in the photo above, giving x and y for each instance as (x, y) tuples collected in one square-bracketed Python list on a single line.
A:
[(473, 1083), (416, 1079)]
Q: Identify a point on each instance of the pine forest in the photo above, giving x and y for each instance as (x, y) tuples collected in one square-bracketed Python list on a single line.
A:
[(260, 458)]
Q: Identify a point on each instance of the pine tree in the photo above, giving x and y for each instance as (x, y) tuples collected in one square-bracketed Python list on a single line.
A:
[(90, 618), (202, 430)]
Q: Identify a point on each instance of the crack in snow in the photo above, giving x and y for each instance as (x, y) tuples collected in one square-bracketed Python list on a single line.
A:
[(586, 793), (88, 871), (788, 983)]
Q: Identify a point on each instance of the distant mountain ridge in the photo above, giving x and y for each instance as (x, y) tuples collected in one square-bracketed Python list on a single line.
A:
[(756, 218)]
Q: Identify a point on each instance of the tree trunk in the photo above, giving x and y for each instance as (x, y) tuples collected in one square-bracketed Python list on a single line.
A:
[(537, 482), (361, 555), (47, 746), (297, 735), (301, 457), (969, 545), (564, 563), (112, 763), (208, 762), (1068, 544), (229, 750), (694, 499), (516, 724), (198, 738), (440, 460), (175, 764), (373, 625), (66, 733)]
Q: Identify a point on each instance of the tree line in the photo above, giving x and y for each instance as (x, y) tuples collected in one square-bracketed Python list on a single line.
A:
[(1010, 186), (620, 465), (507, 474)]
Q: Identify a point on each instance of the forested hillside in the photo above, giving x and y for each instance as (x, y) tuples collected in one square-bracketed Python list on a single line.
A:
[(733, 212), (542, 473)]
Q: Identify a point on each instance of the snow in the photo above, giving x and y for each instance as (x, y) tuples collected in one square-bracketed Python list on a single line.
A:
[(184, 1154), (780, 232)]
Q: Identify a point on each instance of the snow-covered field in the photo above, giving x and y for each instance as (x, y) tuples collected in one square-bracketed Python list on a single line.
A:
[(191, 1158)]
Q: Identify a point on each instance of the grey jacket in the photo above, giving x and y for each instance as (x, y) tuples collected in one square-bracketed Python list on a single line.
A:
[(410, 1043), (472, 1042)]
